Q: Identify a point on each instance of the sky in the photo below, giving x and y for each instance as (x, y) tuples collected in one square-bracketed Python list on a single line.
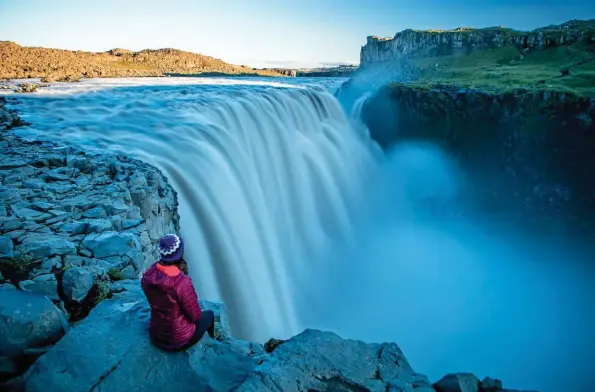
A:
[(261, 33)]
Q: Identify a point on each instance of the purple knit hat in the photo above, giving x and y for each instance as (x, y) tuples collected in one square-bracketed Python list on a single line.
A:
[(171, 248)]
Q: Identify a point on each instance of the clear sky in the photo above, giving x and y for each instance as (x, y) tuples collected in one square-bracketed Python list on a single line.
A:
[(261, 32)]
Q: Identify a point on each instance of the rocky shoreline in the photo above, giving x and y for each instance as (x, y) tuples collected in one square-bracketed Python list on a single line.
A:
[(71, 223)]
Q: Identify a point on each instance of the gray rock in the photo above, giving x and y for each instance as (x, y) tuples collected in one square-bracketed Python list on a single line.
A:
[(27, 213), (128, 273), (315, 360), (58, 187), (95, 213), (75, 261), (33, 183), (489, 384), (77, 282), (7, 286), (47, 266), (116, 206), (129, 223), (459, 382), (78, 202), (86, 226), (6, 248), (98, 225), (40, 246), (12, 163), (116, 357), (14, 235), (111, 244), (515, 390), (222, 366), (43, 206), (78, 227), (27, 321), (44, 284), (56, 175), (12, 224), (57, 218)]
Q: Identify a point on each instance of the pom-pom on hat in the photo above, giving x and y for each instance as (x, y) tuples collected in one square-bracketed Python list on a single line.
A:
[(171, 248)]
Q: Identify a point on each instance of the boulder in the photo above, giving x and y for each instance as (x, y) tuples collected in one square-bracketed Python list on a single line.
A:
[(110, 350), (76, 283), (41, 246), (29, 322), (128, 273), (111, 244), (44, 284), (321, 361), (6, 248), (489, 384), (459, 382)]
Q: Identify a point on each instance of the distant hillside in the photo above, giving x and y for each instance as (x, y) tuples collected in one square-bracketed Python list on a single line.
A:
[(338, 71), (54, 64)]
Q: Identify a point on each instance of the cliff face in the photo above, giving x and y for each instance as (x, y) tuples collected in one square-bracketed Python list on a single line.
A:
[(433, 43), (527, 155), (24, 62), (515, 109)]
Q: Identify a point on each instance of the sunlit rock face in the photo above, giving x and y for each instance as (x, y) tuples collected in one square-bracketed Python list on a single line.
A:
[(432, 43)]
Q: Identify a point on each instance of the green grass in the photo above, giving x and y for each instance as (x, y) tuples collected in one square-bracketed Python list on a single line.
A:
[(103, 290), (508, 67)]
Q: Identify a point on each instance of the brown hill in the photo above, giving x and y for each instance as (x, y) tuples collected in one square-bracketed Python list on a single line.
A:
[(54, 64)]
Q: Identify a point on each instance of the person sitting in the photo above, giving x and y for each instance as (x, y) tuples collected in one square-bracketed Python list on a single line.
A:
[(177, 321)]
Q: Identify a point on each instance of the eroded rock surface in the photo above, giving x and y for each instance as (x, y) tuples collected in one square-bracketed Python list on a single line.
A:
[(29, 323)]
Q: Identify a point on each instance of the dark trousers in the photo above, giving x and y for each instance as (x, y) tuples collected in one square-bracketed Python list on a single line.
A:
[(206, 323)]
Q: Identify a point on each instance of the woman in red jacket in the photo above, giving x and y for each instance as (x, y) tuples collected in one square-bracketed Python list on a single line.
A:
[(177, 322)]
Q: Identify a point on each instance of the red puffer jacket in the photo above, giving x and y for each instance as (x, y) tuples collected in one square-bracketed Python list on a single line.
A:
[(174, 305)]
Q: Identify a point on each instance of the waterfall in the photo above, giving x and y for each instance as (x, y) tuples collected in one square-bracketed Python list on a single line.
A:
[(272, 183), (268, 178)]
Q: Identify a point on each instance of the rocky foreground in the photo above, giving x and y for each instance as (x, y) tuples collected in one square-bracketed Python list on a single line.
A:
[(65, 65), (71, 223), (110, 351)]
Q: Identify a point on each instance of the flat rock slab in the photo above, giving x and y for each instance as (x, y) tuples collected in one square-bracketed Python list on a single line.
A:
[(28, 321), (41, 246), (110, 351), (111, 244)]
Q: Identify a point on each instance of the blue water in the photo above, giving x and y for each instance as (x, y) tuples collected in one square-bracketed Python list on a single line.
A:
[(358, 252)]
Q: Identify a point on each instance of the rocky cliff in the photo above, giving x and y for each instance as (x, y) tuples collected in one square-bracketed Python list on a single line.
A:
[(434, 43), (110, 351), (515, 109), (55, 65), (71, 223)]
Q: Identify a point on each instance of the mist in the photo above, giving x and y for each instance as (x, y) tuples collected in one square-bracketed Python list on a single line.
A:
[(459, 291)]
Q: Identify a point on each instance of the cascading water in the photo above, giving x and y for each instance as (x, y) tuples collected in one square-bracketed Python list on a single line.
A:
[(293, 219), (266, 181)]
